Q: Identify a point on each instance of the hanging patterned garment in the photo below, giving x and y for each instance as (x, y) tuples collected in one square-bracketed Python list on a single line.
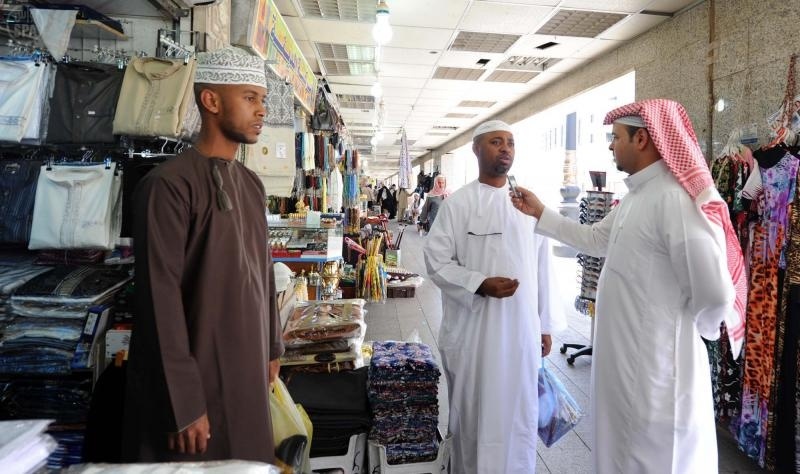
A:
[(730, 174), (768, 243)]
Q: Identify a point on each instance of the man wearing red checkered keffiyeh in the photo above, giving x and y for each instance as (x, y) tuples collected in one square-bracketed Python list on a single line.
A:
[(673, 273)]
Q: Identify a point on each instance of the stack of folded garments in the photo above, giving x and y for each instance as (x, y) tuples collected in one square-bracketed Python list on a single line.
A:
[(69, 450), (49, 313), (12, 276), (403, 393), (324, 336), (24, 446), (337, 405), (64, 400)]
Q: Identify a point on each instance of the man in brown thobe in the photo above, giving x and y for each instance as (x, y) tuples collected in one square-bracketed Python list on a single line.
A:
[(206, 340)]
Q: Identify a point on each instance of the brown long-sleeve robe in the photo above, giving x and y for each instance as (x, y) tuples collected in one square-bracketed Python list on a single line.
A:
[(207, 323)]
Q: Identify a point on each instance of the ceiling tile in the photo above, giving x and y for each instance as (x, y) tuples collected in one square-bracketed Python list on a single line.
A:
[(352, 68), (405, 82), (405, 70), (527, 63), (458, 74), (469, 59), (483, 42), (586, 24), (345, 10), (632, 27), (550, 3), (399, 91), (408, 56), (669, 6), (484, 104), (325, 31), (511, 76), (350, 101), (346, 52), (565, 47), (443, 88), (500, 18), (597, 48), (445, 13), (455, 115), (622, 6), (420, 38)]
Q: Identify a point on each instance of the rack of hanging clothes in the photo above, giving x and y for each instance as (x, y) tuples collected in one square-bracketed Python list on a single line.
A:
[(756, 394)]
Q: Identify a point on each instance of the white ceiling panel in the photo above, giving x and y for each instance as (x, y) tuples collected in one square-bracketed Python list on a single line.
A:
[(469, 59), (507, 19), (441, 87), (632, 27), (410, 13), (399, 91), (404, 82), (621, 6), (566, 65), (669, 6), (596, 48), (565, 47), (406, 70), (547, 3), (408, 56), (420, 38)]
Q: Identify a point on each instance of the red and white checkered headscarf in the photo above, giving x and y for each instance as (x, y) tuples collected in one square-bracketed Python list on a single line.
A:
[(671, 130)]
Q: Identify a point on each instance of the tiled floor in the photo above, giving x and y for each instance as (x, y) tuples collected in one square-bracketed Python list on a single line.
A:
[(420, 317)]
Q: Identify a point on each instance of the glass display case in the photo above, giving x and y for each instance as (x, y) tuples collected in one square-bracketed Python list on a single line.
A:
[(292, 240)]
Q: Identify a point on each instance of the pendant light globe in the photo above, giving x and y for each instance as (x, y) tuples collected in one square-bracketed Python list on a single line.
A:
[(382, 31)]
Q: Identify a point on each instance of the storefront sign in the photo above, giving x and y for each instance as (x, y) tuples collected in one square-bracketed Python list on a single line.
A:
[(288, 61), (258, 26)]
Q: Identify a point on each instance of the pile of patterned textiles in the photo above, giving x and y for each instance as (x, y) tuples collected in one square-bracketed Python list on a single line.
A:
[(403, 388)]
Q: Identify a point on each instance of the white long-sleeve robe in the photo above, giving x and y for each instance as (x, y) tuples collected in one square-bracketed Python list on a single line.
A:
[(664, 284), (490, 347)]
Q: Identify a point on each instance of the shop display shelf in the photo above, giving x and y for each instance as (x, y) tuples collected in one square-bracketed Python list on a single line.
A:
[(441, 465), (350, 463)]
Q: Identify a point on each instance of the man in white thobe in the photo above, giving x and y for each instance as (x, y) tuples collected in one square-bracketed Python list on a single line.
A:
[(499, 308), (664, 284)]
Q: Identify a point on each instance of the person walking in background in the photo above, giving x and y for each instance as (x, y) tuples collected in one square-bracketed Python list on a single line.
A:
[(402, 204), (673, 273), (499, 309), (433, 200)]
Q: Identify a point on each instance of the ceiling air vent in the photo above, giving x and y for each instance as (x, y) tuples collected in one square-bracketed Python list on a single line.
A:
[(340, 10), (580, 23), (483, 42)]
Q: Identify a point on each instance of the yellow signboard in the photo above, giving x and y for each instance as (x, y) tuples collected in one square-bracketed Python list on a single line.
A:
[(286, 59)]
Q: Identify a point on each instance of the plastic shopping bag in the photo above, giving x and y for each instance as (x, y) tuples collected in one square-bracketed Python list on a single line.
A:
[(558, 411), (289, 424)]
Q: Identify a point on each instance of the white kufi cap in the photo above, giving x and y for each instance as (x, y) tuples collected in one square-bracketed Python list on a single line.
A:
[(491, 126), (230, 65), (632, 120)]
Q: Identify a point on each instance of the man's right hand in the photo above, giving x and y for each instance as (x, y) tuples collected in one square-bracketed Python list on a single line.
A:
[(498, 287), (193, 439), (527, 202)]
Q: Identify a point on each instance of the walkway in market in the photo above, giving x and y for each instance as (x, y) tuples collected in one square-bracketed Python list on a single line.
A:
[(408, 318)]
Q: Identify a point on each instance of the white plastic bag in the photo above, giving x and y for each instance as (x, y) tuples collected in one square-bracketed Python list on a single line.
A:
[(558, 411)]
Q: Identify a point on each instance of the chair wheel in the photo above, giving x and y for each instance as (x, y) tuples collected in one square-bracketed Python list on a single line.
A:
[(571, 360), (563, 349)]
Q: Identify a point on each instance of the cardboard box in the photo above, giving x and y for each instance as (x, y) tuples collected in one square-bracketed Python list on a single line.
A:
[(116, 340)]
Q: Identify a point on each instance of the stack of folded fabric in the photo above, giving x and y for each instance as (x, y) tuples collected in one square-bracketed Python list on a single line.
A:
[(24, 446), (337, 405), (12, 276), (49, 313), (324, 336), (403, 389)]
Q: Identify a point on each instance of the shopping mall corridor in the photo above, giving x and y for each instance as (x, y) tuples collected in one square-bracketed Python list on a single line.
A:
[(409, 318)]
